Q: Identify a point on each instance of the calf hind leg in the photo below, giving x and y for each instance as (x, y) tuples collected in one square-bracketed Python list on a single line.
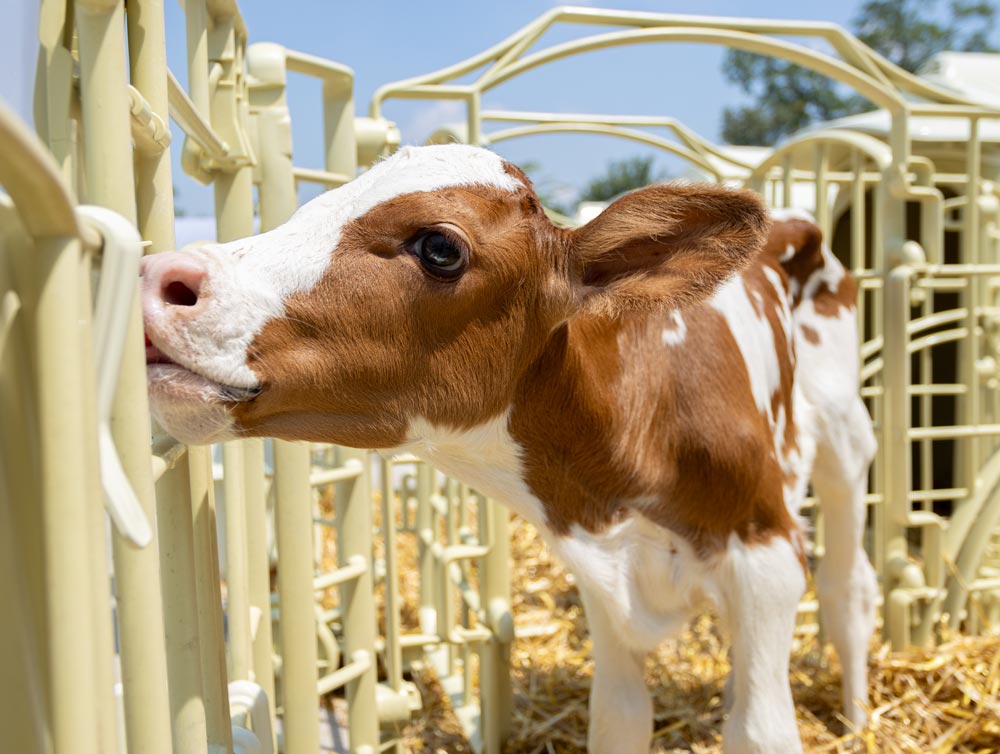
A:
[(761, 586), (845, 581)]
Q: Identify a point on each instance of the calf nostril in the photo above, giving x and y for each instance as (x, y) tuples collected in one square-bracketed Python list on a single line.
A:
[(178, 294)]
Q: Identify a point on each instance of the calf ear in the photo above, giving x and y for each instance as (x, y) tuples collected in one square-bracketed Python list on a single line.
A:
[(664, 247)]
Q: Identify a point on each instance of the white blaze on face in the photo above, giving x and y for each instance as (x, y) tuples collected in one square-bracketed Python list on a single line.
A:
[(250, 280)]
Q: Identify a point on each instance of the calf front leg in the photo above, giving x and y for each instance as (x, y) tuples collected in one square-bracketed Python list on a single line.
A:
[(621, 711), (761, 586)]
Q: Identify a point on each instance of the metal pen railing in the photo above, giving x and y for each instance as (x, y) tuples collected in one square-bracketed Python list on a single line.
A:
[(196, 648)]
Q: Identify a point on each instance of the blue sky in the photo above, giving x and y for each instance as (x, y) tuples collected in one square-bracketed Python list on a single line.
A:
[(387, 40)]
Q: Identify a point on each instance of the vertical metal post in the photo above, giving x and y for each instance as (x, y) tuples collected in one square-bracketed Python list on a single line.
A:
[(67, 551), (137, 572), (209, 598), (894, 513), (496, 698), (234, 219), (426, 534), (293, 512), (293, 492), (354, 544), (338, 126), (969, 351), (787, 184), (258, 569), (237, 574), (393, 623), (105, 118), (196, 27), (821, 189), (176, 532), (475, 119)]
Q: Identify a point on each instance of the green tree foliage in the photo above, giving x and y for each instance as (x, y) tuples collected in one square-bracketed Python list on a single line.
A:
[(621, 176), (789, 97)]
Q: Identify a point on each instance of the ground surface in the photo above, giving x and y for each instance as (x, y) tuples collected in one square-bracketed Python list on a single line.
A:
[(941, 700)]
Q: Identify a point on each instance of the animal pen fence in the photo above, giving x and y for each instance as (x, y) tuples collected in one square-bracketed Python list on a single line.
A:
[(180, 658)]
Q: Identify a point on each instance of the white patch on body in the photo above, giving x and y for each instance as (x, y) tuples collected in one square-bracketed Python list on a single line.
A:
[(674, 336), (250, 279), (644, 575), (755, 339), (486, 458)]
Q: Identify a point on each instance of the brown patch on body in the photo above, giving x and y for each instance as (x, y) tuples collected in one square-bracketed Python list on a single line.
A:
[(806, 259), (830, 303), (676, 429), (805, 239), (810, 334)]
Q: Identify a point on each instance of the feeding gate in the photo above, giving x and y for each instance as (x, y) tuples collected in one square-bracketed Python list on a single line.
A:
[(192, 650)]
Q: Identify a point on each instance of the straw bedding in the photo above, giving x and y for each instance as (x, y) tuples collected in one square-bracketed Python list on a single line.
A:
[(924, 701)]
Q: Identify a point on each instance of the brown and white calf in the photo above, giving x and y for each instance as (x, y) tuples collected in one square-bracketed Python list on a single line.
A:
[(653, 390)]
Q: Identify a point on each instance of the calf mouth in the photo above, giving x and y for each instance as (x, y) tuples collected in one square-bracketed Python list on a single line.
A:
[(169, 379)]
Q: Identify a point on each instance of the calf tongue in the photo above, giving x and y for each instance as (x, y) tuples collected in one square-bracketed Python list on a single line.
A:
[(154, 355)]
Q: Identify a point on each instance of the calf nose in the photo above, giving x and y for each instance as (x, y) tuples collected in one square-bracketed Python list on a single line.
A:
[(172, 279)]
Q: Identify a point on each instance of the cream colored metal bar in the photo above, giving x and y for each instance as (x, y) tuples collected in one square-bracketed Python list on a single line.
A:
[(150, 132), (237, 569), (496, 695), (337, 74), (29, 175), (118, 285), (688, 137), (139, 594), (895, 514), (167, 452), (53, 89), (106, 127), (322, 177), (356, 568), (65, 607), (183, 639), (209, 600), (354, 545), (185, 114), (340, 150), (393, 621), (234, 217), (352, 671), (504, 54), (951, 433), (295, 574), (324, 477), (259, 575), (292, 490), (607, 130)]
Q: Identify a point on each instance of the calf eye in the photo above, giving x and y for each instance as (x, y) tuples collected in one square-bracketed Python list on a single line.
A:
[(440, 255)]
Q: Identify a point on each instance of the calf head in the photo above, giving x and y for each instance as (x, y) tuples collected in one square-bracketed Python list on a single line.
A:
[(425, 288)]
